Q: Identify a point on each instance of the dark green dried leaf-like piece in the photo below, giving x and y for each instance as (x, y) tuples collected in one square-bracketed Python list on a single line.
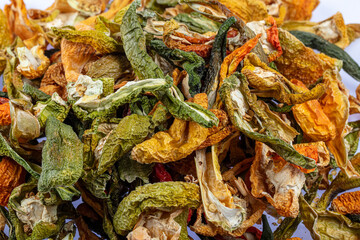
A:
[(62, 157), (267, 234), (109, 66), (218, 54), (130, 170), (197, 22), (135, 47), (131, 130), (98, 40), (168, 195), (107, 106), (190, 61), (34, 93)]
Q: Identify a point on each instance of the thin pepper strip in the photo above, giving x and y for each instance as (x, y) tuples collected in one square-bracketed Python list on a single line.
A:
[(232, 61), (202, 50), (273, 38)]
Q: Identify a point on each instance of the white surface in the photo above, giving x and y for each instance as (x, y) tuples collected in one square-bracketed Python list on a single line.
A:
[(327, 8)]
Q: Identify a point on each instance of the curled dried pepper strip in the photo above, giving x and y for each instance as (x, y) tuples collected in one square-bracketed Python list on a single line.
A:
[(232, 61), (273, 39), (5, 118)]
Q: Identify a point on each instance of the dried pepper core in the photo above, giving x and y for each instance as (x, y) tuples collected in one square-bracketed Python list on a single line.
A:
[(12, 175)]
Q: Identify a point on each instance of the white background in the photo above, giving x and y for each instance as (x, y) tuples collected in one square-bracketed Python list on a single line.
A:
[(349, 9)]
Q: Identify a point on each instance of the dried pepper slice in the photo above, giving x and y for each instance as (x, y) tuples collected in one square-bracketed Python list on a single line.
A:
[(178, 142), (254, 210), (280, 185), (336, 107), (18, 21), (62, 158), (322, 224), (5, 31), (332, 29), (218, 52), (5, 119), (236, 107), (314, 41), (26, 209), (340, 184), (346, 203), (135, 48), (270, 83), (191, 62), (161, 224), (273, 39), (130, 131), (33, 62), (72, 50), (247, 10), (97, 39), (12, 176), (232, 61), (163, 195), (297, 61), (312, 119), (299, 10), (220, 207)]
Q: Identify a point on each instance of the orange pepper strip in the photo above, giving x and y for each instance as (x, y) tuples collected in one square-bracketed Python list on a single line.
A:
[(5, 118), (202, 50), (273, 39), (232, 61), (193, 40), (231, 33)]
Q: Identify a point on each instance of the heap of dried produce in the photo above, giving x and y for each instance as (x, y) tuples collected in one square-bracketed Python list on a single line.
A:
[(166, 116)]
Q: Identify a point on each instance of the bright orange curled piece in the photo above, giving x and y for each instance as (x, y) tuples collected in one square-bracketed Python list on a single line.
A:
[(232, 61), (5, 118), (273, 39)]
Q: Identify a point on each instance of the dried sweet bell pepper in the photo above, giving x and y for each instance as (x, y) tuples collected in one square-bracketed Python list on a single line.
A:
[(12, 175)]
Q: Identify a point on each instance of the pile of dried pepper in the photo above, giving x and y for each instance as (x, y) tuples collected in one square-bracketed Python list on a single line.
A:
[(166, 115)]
